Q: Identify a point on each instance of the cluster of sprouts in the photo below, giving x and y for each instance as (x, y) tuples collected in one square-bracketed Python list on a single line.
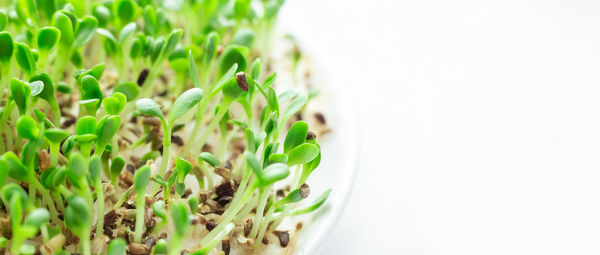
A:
[(178, 144)]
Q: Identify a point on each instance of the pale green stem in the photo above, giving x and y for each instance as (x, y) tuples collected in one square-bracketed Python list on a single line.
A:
[(139, 217), (211, 126), (100, 205)]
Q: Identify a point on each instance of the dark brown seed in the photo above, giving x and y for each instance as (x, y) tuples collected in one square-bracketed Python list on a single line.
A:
[(299, 226), (265, 240), (242, 81), (320, 118), (224, 189), (210, 226), (225, 245), (143, 75), (284, 237), (304, 190), (280, 193), (162, 94), (69, 122), (110, 218), (311, 135)]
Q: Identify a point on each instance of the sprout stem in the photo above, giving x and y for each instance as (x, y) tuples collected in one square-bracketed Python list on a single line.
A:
[(100, 205), (211, 126), (139, 217)]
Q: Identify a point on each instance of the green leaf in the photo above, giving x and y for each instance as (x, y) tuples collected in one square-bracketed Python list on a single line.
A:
[(85, 30), (193, 203), (85, 125), (178, 60), (3, 20), (47, 92), (115, 103), (184, 103), (182, 168), (253, 163), (6, 47), (278, 158), (110, 42), (272, 100), (102, 14), (11, 190), (231, 89), (270, 80), (129, 89), (126, 31), (209, 158), (4, 168), (20, 92), (211, 44), (56, 135), (193, 70), (302, 154), (17, 171), (125, 10), (37, 217), (314, 206), (149, 107), (64, 24), (47, 38), (117, 246), (171, 43), (25, 59), (292, 197), (77, 167), (233, 55), (181, 222), (256, 66), (95, 167), (159, 209), (117, 166), (27, 128), (274, 173), (91, 88), (295, 136), (244, 37), (295, 106), (78, 216), (141, 178)]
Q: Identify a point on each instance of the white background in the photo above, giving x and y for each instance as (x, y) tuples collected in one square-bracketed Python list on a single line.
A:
[(480, 123)]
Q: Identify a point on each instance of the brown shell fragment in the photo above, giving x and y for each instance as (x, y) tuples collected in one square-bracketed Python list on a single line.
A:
[(138, 249)]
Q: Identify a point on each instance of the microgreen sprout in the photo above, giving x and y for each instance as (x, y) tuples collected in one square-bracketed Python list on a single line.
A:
[(98, 92)]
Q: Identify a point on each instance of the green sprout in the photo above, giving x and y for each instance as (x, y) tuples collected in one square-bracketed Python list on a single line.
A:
[(97, 92), (182, 104)]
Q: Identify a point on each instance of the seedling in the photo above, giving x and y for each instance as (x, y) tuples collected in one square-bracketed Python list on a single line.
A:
[(72, 136)]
